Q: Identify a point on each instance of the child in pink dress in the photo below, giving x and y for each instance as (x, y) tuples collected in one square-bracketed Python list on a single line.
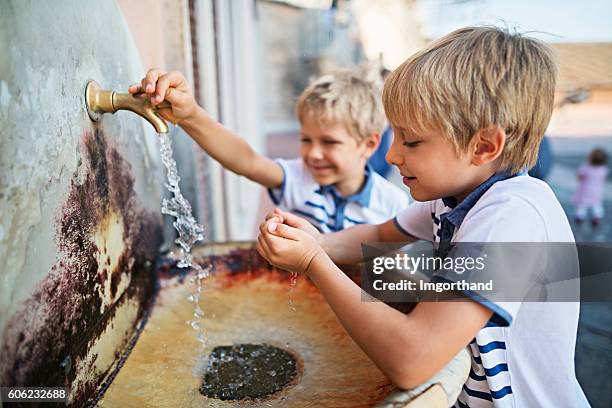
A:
[(591, 181)]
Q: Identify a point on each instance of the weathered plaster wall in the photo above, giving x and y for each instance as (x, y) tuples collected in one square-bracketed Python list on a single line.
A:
[(80, 224)]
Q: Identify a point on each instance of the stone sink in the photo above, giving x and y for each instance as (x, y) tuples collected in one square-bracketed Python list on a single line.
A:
[(246, 305)]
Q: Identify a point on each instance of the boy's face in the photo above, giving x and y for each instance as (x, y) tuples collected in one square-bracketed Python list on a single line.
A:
[(430, 166), (332, 155)]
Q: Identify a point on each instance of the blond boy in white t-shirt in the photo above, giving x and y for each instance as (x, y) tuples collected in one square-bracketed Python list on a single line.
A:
[(468, 114)]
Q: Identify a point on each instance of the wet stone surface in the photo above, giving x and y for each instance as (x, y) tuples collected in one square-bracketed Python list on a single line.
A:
[(247, 371)]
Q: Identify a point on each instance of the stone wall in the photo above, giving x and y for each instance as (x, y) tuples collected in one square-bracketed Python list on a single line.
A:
[(80, 226)]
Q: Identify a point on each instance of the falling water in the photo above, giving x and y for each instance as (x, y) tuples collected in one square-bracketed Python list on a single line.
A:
[(189, 232), (292, 285), (291, 289)]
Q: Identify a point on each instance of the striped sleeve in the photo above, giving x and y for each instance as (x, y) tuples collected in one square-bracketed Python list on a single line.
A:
[(296, 181)]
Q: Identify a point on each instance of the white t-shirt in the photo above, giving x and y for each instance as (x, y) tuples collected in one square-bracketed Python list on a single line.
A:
[(524, 356), (377, 201)]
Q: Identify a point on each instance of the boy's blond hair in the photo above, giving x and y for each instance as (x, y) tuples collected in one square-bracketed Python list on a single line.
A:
[(476, 78), (347, 98)]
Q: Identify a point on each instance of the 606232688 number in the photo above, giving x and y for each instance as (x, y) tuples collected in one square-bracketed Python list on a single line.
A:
[(33, 394)]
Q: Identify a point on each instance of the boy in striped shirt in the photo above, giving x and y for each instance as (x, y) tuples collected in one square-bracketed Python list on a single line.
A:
[(468, 114)]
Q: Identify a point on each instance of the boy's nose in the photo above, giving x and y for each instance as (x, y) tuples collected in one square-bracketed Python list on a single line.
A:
[(392, 157), (315, 152)]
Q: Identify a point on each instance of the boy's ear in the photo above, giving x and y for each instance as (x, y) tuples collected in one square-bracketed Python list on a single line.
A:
[(487, 145), (371, 144)]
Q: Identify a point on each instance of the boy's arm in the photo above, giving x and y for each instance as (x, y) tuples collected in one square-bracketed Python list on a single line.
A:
[(409, 349), (224, 146), (344, 247), (231, 150)]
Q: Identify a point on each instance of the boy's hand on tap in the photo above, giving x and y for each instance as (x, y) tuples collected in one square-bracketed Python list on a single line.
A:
[(172, 87)]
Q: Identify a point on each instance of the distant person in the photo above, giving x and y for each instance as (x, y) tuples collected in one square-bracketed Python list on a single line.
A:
[(341, 117), (591, 181), (378, 161), (544, 162)]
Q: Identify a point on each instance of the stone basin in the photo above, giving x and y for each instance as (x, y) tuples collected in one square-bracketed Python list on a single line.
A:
[(246, 302)]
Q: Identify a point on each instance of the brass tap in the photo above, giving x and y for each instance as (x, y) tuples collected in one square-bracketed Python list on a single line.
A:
[(99, 101)]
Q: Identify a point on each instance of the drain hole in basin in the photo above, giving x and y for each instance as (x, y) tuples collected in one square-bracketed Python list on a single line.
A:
[(248, 371)]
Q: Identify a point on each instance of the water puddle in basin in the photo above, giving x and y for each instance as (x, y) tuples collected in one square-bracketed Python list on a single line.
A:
[(248, 371), (189, 233)]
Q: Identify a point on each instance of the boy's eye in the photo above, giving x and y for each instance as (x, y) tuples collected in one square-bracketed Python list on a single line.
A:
[(331, 142), (411, 144), (305, 140)]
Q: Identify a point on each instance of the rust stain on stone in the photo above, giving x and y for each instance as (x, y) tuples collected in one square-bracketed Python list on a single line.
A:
[(238, 267), (241, 265), (65, 315)]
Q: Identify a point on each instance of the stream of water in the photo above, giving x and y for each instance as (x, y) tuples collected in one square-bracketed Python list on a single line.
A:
[(189, 233)]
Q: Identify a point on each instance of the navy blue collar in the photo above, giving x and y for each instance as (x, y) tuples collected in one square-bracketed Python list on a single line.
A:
[(459, 211), (362, 197)]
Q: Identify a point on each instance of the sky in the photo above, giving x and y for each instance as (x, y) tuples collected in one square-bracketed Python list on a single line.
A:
[(554, 21)]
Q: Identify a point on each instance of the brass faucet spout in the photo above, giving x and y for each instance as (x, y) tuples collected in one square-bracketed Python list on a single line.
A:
[(99, 101)]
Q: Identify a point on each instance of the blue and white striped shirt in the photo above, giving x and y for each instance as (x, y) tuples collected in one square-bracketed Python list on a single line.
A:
[(377, 201), (524, 355)]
